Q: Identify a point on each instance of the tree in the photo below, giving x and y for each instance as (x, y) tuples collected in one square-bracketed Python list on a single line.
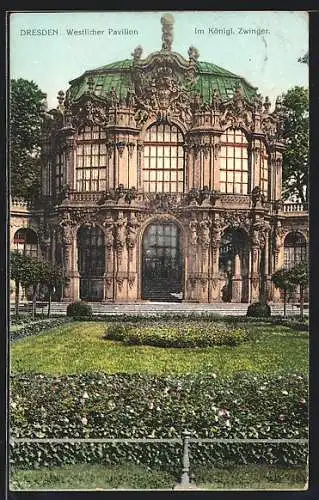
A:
[(32, 277), (24, 137), (52, 277), (296, 134), (281, 280), (18, 265), (299, 276)]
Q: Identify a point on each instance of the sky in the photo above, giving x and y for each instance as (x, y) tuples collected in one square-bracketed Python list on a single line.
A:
[(268, 61)]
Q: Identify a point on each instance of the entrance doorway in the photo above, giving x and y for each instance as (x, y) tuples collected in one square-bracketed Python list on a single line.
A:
[(162, 263)]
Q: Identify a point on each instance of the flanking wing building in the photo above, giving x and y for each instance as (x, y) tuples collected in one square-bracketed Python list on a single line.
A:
[(162, 180)]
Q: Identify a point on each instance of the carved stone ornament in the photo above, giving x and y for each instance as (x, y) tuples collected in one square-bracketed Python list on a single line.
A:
[(89, 113), (109, 229), (120, 235), (205, 233), (257, 196), (238, 111), (132, 226), (159, 93), (193, 236)]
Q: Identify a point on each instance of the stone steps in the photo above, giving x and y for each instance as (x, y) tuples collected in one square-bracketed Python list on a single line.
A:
[(151, 307)]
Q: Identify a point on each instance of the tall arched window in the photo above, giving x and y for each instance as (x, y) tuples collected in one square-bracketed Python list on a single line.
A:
[(25, 241), (234, 162), (91, 159), (163, 159), (263, 169), (59, 172), (91, 262), (295, 249)]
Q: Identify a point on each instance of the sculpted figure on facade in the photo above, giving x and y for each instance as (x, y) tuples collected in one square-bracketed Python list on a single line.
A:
[(120, 225), (257, 196), (108, 224), (132, 227), (205, 233), (193, 236)]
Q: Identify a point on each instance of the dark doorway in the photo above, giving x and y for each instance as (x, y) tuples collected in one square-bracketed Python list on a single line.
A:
[(91, 263), (162, 263)]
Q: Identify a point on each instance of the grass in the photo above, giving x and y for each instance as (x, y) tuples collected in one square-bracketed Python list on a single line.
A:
[(79, 348), (131, 476)]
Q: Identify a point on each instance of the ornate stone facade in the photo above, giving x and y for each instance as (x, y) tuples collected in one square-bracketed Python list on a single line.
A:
[(163, 159)]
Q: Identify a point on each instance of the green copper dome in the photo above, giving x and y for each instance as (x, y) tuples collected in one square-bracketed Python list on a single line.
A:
[(118, 75)]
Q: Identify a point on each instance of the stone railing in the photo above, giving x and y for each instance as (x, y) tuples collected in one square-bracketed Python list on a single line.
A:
[(83, 196), (295, 207), (20, 202)]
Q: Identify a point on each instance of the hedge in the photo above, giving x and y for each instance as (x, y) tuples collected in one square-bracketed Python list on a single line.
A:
[(137, 406), (31, 328), (180, 334), (79, 309)]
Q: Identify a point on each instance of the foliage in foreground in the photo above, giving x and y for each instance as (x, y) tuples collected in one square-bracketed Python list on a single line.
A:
[(177, 335), (31, 327), (79, 309), (259, 310), (140, 406), (132, 476)]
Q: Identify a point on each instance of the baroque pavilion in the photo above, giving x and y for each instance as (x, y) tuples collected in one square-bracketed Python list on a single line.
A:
[(162, 180)]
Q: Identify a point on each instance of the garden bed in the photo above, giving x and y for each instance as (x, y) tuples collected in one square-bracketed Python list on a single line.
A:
[(178, 334), (141, 406)]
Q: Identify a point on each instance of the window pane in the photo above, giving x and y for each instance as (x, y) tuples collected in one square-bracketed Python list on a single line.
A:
[(165, 158)]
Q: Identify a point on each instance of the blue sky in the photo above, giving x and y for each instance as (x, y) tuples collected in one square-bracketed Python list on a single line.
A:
[(268, 61)]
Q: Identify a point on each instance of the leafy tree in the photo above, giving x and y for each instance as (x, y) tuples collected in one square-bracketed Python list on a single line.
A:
[(18, 266), (52, 277), (299, 276), (296, 133), (281, 280), (32, 277), (24, 134)]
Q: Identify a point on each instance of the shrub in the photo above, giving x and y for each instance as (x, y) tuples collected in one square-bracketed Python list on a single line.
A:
[(138, 406), (79, 309), (177, 334), (259, 310), (31, 327)]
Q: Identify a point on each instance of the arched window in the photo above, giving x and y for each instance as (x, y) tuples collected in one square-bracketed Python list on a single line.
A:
[(91, 159), (263, 169), (25, 241), (234, 162), (295, 249), (59, 172), (163, 159), (91, 262)]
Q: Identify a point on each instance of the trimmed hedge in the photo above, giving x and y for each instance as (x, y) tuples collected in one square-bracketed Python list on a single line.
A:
[(137, 406), (180, 334), (259, 310), (32, 328), (79, 309)]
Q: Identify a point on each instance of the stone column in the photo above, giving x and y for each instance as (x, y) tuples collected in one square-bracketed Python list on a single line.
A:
[(67, 242), (131, 239), (192, 282), (267, 276), (120, 287), (205, 238), (236, 280), (254, 296), (109, 258), (215, 243), (75, 272)]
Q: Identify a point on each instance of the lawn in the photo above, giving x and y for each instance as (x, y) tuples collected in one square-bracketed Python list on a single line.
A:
[(131, 476), (79, 348)]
